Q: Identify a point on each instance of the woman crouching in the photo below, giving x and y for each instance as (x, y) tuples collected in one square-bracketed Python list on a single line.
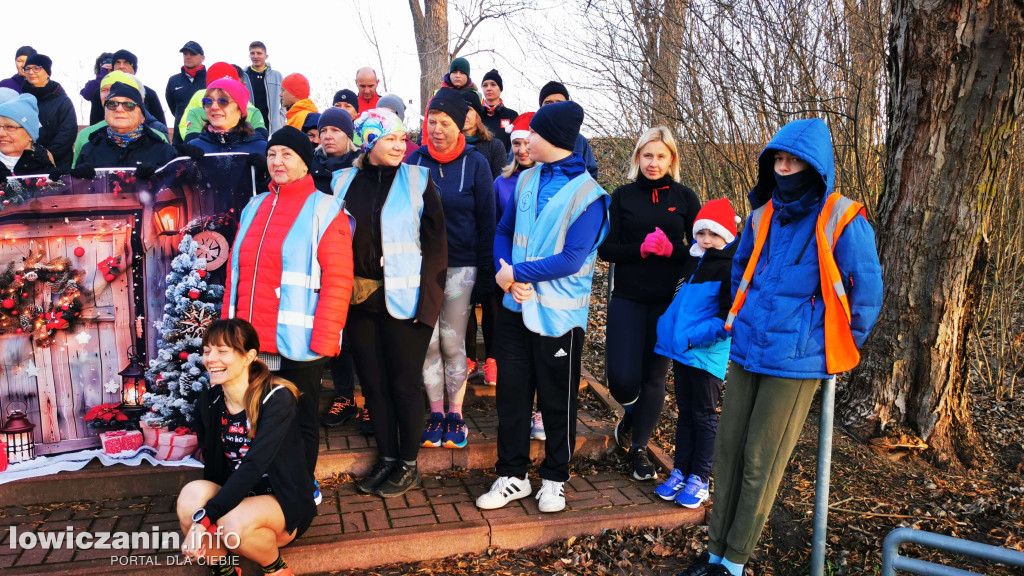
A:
[(255, 487)]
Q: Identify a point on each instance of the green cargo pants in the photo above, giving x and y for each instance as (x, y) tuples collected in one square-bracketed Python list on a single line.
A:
[(761, 421)]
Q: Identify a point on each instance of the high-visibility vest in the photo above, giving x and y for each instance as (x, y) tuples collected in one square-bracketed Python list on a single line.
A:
[(841, 352)]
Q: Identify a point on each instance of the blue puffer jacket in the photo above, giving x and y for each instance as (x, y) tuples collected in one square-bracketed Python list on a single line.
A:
[(692, 329), (780, 329)]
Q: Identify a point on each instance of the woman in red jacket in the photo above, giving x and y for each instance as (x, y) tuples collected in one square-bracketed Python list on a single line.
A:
[(291, 275)]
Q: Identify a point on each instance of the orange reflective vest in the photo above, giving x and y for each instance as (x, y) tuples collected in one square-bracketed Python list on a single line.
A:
[(841, 352)]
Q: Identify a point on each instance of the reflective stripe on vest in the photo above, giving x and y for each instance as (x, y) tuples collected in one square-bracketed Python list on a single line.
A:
[(841, 352), (400, 239), (562, 304)]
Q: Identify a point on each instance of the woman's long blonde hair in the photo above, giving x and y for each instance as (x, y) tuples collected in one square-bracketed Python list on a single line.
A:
[(657, 134), (241, 337)]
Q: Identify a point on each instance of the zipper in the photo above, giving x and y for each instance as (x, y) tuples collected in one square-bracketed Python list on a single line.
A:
[(806, 244), (256, 268)]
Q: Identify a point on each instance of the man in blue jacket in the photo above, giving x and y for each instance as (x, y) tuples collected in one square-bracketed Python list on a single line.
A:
[(778, 328), (184, 84)]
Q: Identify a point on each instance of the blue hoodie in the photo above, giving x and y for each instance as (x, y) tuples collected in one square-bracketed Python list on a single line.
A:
[(780, 329)]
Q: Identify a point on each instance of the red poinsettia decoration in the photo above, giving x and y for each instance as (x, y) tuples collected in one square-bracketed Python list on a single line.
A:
[(105, 414)]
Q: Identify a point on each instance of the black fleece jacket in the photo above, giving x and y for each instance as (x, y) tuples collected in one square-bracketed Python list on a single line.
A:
[(636, 210), (276, 450)]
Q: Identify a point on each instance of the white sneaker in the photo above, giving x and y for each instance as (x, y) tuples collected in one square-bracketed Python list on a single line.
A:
[(504, 490), (551, 496), (537, 427)]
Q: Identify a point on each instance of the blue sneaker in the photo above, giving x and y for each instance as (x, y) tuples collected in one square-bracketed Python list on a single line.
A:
[(694, 493), (455, 431), (431, 437), (317, 497), (669, 488)]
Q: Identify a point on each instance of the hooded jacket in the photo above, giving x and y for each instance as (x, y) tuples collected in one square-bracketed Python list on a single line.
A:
[(692, 329), (780, 329), (323, 168), (296, 115), (59, 123)]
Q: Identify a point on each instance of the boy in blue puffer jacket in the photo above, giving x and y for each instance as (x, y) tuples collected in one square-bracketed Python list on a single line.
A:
[(790, 330), (692, 333)]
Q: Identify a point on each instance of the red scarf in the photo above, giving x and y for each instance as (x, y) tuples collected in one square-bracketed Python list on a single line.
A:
[(452, 154), (492, 109), (193, 71)]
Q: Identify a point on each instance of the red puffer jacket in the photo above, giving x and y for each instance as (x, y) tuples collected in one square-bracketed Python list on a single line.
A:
[(259, 270)]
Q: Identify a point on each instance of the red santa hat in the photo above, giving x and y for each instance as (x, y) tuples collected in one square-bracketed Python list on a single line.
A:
[(520, 127), (719, 217)]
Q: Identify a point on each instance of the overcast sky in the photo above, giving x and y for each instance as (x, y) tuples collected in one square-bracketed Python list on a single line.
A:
[(323, 40)]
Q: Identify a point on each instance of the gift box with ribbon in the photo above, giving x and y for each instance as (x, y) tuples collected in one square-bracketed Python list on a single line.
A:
[(176, 444), (121, 443), (151, 433)]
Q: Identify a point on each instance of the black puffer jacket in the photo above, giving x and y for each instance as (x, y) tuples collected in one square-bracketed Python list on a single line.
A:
[(101, 152), (35, 160), (59, 123)]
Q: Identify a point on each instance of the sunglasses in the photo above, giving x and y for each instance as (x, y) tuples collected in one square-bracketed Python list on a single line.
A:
[(222, 102), (128, 106)]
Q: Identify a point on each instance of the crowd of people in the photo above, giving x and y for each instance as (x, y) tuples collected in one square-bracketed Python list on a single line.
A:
[(368, 254)]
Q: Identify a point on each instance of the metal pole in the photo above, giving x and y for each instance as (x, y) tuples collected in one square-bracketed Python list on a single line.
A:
[(821, 485)]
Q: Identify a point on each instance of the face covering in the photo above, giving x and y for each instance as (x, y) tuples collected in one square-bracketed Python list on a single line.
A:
[(794, 186)]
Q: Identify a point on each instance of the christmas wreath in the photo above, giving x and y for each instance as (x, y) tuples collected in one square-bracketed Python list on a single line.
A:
[(22, 313)]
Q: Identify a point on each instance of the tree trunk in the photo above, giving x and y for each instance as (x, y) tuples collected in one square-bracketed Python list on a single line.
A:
[(664, 79), (956, 70), (430, 25)]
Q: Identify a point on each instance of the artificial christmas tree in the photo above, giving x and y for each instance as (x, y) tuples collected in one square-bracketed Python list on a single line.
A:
[(176, 375)]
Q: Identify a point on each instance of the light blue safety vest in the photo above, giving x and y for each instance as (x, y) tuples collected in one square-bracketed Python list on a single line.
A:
[(559, 305), (400, 231), (300, 270)]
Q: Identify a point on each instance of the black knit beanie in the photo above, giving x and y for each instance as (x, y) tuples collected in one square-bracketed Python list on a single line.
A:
[(451, 103), (493, 75), (125, 91), (123, 54), (24, 51), (42, 61), (559, 124), (293, 138), (473, 101), (553, 87)]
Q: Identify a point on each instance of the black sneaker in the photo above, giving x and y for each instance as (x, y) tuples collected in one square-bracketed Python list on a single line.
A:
[(343, 410), (402, 479), (643, 468), (701, 567), (378, 474), (624, 431), (365, 426)]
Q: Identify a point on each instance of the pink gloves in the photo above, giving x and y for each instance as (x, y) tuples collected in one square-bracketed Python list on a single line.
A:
[(656, 243)]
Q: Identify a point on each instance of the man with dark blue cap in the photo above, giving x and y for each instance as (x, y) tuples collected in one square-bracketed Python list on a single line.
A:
[(544, 252), (184, 84)]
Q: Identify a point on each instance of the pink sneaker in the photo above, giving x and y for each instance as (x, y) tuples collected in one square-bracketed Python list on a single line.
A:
[(491, 372)]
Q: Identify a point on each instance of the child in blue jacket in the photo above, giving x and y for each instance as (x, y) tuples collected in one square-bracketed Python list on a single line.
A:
[(692, 333)]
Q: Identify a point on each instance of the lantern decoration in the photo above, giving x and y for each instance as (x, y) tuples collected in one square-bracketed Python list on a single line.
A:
[(17, 434), (169, 212), (133, 385)]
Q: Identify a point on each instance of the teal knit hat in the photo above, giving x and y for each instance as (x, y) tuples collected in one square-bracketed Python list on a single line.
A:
[(460, 64)]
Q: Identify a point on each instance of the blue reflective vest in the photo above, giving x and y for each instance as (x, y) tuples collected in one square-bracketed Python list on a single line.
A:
[(300, 270), (400, 241), (562, 304)]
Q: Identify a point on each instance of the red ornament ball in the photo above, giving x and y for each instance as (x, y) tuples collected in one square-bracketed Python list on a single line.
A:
[(24, 294), (17, 277), (8, 303), (202, 273), (53, 278), (109, 277), (193, 294), (64, 307), (14, 312), (18, 331), (183, 355), (79, 251)]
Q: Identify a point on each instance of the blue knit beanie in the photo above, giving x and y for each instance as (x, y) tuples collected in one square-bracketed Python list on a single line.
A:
[(25, 111), (338, 118), (559, 123)]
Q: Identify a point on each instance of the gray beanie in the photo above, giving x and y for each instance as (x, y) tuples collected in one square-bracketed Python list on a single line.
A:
[(394, 103)]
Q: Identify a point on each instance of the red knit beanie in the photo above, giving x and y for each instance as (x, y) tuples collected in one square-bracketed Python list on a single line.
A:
[(220, 70), (719, 217), (297, 85)]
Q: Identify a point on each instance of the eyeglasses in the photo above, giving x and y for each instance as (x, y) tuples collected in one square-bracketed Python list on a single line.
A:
[(11, 127), (222, 102), (32, 69), (128, 106)]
